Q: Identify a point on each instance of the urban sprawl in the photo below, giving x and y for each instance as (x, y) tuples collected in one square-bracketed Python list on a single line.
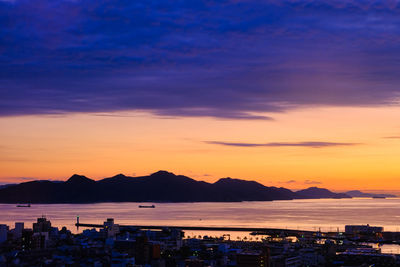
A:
[(117, 245)]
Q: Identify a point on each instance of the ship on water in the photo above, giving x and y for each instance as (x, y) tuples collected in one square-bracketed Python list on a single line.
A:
[(147, 206), (23, 205)]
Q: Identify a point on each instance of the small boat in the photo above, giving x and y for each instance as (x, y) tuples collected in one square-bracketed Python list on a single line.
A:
[(378, 197), (147, 206), (24, 206)]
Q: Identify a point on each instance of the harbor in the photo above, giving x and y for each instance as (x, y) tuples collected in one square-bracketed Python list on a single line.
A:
[(112, 244)]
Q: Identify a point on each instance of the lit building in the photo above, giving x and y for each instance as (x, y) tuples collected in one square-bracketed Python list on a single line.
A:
[(111, 228)]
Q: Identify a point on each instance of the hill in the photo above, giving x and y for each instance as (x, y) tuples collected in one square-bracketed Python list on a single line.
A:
[(316, 192), (161, 186), (357, 193)]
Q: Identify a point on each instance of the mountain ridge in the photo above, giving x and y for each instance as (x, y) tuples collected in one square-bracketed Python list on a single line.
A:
[(358, 193), (161, 186), (316, 193)]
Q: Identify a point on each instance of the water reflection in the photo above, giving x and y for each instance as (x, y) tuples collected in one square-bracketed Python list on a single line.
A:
[(327, 214)]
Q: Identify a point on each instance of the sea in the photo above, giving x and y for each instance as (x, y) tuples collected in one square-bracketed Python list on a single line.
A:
[(310, 214)]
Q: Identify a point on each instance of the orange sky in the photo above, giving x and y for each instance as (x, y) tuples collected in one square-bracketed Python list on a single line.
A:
[(134, 143)]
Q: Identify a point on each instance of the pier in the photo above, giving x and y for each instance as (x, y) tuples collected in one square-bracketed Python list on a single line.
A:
[(382, 237), (258, 230)]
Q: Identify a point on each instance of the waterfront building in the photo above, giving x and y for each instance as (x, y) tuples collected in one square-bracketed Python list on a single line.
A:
[(17, 232), (42, 225), (3, 233), (363, 229), (111, 228)]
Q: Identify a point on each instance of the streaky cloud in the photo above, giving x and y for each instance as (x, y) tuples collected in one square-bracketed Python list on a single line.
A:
[(312, 144), (312, 182), (392, 137), (221, 114), (221, 59)]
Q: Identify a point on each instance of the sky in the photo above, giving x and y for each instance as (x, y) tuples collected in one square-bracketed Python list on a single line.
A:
[(291, 93)]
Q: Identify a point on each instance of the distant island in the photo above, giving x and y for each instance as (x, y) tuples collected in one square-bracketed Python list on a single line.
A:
[(161, 186), (357, 193)]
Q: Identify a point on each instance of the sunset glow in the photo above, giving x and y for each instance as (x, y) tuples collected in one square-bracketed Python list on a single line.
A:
[(287, 93), (136, 143)]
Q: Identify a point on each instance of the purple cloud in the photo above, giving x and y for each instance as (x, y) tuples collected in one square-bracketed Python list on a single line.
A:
[(312, 182), (311, 144), (229, 59), (392, 137)]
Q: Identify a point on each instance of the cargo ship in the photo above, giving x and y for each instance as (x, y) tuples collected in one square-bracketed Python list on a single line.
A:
[(147, 206), (24, 206)]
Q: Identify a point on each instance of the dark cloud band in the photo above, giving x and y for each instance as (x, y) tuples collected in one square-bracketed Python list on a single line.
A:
[(282, 144), (227, 59)]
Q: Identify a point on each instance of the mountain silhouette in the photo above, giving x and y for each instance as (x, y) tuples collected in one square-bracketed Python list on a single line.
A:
[(79, 180), (357, 193), (316, 192), (161, 186), (250, 190)]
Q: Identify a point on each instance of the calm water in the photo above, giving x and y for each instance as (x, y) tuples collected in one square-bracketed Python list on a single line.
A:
[(327, 214), (296, 214)]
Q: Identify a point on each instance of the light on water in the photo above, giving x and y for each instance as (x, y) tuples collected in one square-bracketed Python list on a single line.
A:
[(324, 214)]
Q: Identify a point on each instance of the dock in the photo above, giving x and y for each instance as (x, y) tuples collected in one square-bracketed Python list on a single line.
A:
[(266, 231), (379, 236)]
